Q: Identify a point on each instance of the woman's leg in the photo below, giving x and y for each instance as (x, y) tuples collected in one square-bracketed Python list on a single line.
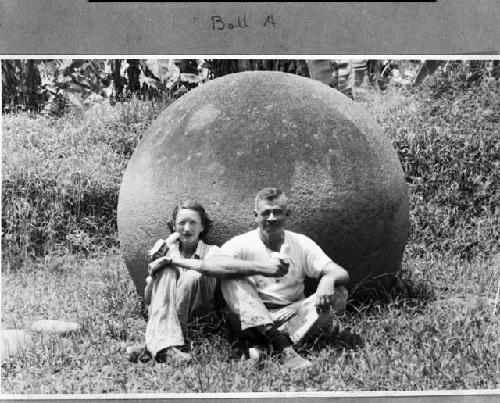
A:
[(195, 296), (164, 329)]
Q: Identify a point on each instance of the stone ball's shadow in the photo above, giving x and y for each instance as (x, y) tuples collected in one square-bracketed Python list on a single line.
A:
[(406, 292), (337, 338)]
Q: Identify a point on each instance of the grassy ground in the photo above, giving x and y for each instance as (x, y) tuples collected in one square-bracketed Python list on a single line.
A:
[(438, 330)]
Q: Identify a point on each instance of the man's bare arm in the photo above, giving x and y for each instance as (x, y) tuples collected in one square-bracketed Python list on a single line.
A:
[(221, 266), (336, 272), (332, 275)]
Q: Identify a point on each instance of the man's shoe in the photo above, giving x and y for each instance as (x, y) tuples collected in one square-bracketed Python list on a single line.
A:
[(292, 360), (172, 354)]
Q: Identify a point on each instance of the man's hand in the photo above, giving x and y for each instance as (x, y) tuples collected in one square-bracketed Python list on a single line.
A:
[(331, 291), (277, 267), (325, 294)]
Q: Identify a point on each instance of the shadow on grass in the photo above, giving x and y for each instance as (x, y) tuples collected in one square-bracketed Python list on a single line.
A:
[(336, 338), (221, 331), (405, 292)]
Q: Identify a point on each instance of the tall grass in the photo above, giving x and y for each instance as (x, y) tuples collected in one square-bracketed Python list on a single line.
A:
[(447, 135), (61, 178)]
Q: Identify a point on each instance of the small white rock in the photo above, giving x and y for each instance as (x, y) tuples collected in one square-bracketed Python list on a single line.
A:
[(13, 342), (54, 326)]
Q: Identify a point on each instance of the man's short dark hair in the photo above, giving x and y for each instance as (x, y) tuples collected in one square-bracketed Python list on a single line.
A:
[(270, 194), (192, 205)]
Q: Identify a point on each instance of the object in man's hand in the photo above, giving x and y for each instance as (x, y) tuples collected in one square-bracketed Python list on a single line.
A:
[(159, 249), (278, 255), (285, 253)]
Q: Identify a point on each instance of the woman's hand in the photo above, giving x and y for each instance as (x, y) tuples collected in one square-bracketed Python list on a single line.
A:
[(158, 264), (173, 238), (162, 246), (159, 249)]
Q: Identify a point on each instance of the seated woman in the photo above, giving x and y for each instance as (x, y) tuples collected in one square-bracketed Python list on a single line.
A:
[(175, 294)]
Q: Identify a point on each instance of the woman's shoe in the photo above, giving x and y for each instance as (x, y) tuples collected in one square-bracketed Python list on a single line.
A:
[(172, 354)]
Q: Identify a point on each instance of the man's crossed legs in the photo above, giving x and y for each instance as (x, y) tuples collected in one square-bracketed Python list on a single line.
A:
[(278, 328)]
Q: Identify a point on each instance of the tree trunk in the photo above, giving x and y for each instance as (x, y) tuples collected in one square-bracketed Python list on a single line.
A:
[(117, 79), (133, 73), (33, 82)]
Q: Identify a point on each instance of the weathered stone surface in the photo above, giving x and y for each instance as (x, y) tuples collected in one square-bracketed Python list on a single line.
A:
[(13, 342), (54, 326), (227, 139)]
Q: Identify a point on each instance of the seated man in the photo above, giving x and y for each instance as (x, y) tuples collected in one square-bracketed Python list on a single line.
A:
[(271, 309)]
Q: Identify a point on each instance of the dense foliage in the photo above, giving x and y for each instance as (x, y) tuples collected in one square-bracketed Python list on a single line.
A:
[(58, 86), (61, 178), (448, 139)]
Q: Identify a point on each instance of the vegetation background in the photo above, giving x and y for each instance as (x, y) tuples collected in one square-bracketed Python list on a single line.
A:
[(65, 148)]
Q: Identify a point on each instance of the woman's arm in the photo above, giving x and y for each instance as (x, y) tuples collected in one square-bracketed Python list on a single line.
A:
[(148, 290)]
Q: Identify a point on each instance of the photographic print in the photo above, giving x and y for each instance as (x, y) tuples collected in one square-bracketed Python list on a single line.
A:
[(272, 224)]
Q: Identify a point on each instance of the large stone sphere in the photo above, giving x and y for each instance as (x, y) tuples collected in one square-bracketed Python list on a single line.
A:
[(225, 140)]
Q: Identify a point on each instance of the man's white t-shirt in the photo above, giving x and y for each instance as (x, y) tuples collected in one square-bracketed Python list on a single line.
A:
[(305, 256)]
